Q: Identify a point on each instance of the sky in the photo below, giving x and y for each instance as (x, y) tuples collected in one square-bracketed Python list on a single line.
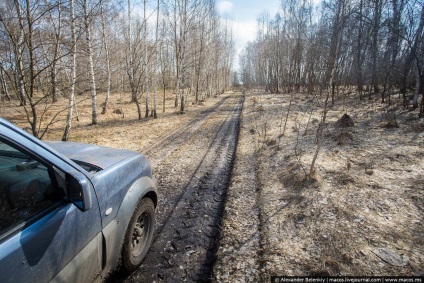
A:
[(243, 14)]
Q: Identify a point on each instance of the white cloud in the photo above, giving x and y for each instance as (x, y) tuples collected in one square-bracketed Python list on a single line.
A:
[(225, 7), (244, 31)]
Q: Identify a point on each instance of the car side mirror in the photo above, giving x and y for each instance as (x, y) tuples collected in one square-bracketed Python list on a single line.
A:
[(78, 190)]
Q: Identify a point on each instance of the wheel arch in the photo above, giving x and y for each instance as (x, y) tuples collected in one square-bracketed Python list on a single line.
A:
[(114, 232)]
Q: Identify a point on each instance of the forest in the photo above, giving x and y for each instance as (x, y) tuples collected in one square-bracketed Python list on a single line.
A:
[(299, 154), (61, 48), (375, 47), (58, 48)]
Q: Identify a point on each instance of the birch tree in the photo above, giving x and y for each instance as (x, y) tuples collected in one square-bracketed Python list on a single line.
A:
[(73, 55), (146, 78), (87, 27), (375, 45), (26, 65), (106, 47), (336, 39), (5, 90), (49, 48), (133, 61), (19, 50), (56, 25), (157, 51)]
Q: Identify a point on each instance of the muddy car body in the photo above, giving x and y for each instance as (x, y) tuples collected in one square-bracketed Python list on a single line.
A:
[(70, 212)]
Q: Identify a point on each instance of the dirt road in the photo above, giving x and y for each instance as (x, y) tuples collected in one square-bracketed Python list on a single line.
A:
[(193, 166)]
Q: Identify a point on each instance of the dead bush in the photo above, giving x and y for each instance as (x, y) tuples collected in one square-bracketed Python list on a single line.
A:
[(344, 138)]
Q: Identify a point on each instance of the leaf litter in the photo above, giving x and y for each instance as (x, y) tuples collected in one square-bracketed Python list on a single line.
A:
[(360, 214)]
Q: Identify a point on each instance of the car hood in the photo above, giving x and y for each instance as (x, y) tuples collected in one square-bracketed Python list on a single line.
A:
[(99, 156)]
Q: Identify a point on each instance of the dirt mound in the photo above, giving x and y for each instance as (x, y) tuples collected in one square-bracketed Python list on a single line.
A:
[(390, 120), (292, 176), (344, 138), (345, 121)]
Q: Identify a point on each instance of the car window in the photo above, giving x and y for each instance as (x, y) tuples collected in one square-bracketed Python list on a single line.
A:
[(26, 188)]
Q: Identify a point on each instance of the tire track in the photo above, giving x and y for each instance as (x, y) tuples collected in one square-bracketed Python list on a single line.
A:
[(193, 177), (178, 137)]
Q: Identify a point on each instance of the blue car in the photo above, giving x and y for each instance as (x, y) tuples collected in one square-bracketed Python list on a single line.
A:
[(71, 212)]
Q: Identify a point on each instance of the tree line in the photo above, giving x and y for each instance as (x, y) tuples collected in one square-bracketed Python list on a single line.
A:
[(377, 46), (64, 48)]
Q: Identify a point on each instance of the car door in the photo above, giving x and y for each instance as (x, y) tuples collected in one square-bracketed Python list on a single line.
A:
[(43, 236)]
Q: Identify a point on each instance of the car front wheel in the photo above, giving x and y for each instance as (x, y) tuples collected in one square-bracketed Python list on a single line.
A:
[(139, 235)]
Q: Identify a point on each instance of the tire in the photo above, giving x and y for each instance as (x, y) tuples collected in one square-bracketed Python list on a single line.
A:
[(139, 235)]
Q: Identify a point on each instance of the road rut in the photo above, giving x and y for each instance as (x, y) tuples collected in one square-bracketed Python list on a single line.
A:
[(193, 167)]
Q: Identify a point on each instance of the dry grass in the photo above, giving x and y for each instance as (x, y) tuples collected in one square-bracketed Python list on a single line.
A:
[(362, 213), (119, 127)]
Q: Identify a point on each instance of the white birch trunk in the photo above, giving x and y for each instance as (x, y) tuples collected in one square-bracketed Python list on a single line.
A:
[(3, 83), (146, 79), (109, 74), (154, 113), (183, 34), (19, 56), (131, 70), (71, 99), (91, 64)]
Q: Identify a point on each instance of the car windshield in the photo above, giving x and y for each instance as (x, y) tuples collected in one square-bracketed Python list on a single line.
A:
[(7, 150)]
